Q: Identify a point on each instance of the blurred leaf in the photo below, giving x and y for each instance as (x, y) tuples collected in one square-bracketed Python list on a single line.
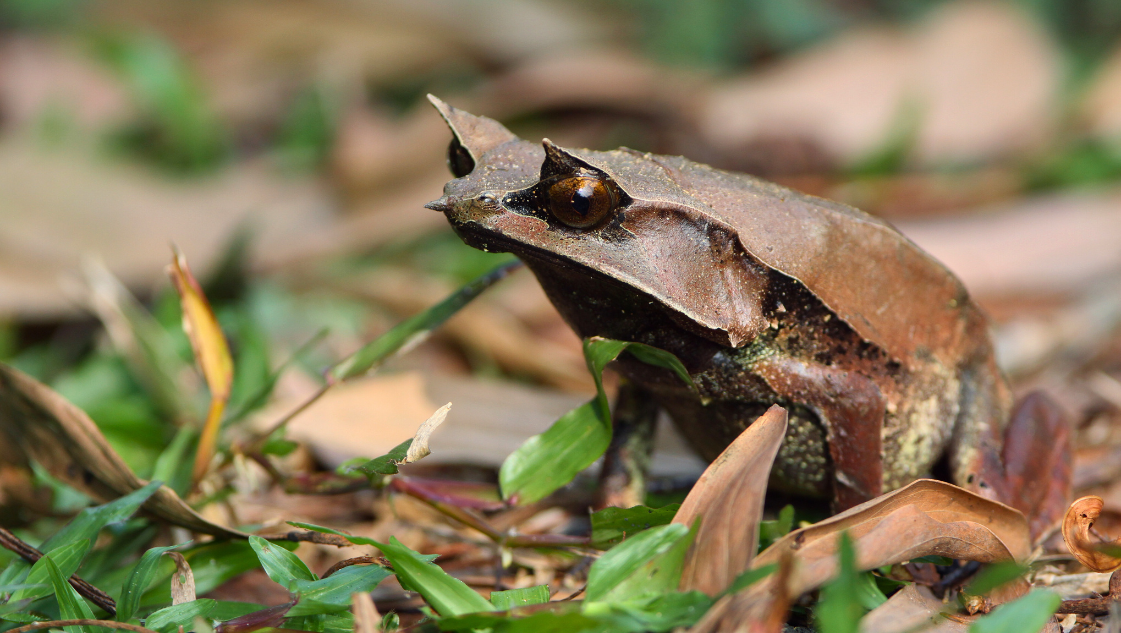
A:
[(71, 606), (280, 564), (142, 574), (840, 608), (506, 600), (212, 564), (750, 577), (993, 576), (671, 611), (337, 588), (414, 330), (64, 441), (611, 525), (67, 559), (771, 531), (179, 130), (212, 354), (1025, 615), (308, 131), (89, 522), (268, 617), (173, 465), (173, 617), (647, 563)]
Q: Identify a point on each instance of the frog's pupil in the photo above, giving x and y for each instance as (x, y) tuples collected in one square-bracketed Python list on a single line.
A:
[(582, 200)]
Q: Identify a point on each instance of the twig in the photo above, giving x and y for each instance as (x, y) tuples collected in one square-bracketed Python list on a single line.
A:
[(309, 536), (15, 544), (472, 520), (57, 624), (343, 564)]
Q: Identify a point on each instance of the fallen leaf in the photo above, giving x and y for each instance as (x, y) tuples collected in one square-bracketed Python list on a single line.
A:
[(212, 353), (925, 518), (729, 500), (912, 608), (1081, 538), (64, 441), (182, 581)]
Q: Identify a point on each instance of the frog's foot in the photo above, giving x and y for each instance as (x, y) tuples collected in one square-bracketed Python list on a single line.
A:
[(622, 481), (1032, 472)]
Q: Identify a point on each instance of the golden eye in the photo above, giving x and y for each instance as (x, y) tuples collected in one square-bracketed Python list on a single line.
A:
[(580, 201)]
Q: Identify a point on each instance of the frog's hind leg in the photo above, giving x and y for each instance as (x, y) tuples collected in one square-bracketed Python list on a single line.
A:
[(622, 481), (851, 408)]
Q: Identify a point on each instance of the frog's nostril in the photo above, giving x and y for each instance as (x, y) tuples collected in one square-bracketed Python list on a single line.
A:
[(443, 205)]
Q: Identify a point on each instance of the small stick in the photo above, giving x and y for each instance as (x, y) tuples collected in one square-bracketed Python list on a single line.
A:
[(30, 554), (57, 624)]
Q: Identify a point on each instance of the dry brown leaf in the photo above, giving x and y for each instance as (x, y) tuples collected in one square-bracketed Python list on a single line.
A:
[(366, 616), (63, 440), (729, 498), (1082, 540), (925, 518), (182, 581), (912, 608), (419, 448)]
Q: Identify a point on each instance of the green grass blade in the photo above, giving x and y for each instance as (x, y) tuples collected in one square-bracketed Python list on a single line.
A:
[(415, 329), (280, 564), (67, 559), (71, 606), (138, 581)]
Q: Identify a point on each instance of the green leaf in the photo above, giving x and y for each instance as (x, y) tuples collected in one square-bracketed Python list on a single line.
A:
[(415, 329), (506, 600), (771, 531), (660, 613), (993, 576), (212, 563), (71, 606), (171, 618), (1029, 614), (387, 464), (89, 522), (550, 460), (67, 559), (280, 564), (840, 607), (138, 581), (750, 577), (649, 563), (444, 593), (611, 525), (337, 588)]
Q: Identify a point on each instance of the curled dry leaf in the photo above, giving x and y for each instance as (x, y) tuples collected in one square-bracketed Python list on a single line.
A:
[(729, 495), (1080, 537), (912, 608), (182, 581), (63, 439), (924, 518), (419, 448)]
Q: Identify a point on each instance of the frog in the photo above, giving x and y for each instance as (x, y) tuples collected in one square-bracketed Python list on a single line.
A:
[(766, 295)]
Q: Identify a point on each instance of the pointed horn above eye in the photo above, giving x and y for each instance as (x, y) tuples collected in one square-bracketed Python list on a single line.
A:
[(559, 161), (477, 134)]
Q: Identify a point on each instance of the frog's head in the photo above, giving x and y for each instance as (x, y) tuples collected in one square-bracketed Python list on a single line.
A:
[(620, 214)]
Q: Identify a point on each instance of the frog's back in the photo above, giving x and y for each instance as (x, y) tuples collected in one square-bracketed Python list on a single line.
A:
[(884, 286)]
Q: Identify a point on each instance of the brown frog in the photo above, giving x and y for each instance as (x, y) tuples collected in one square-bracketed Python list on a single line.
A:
[(765, 294)]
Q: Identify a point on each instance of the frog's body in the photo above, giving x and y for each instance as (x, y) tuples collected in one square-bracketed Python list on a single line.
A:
[(765, 294)]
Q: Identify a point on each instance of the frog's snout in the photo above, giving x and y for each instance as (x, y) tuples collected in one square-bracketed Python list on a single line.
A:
[(443, 205)]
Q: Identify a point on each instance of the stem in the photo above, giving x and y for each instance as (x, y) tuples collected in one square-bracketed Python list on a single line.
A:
[(109, 624), (13, 543)]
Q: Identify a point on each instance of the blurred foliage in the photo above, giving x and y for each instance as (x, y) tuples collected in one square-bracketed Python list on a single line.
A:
[(177, 128)]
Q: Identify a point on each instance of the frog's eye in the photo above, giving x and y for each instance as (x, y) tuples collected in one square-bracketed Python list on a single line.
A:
[(580, 201), (459, 159)]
